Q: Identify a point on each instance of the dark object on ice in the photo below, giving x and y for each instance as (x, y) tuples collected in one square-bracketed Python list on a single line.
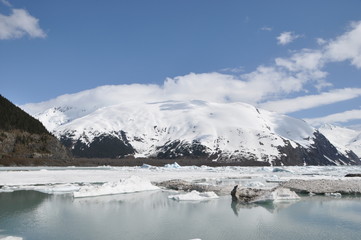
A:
[(248, 195), (181, 185), (255, 195), (353, 175)]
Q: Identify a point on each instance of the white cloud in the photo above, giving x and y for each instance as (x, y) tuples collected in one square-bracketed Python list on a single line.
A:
[(269, 81), (321, 41), (287, 37), (215, 87), (342, 117), (18, 24), (268, 29), (233, 70), (303, 60), (311, 101), (6, 3), (287, 75), (346, 47)]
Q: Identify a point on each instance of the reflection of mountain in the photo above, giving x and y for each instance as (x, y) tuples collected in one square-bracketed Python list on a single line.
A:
[(270, 206)]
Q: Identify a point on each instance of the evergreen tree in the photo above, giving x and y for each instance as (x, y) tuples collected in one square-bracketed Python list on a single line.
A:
[(14, 118)]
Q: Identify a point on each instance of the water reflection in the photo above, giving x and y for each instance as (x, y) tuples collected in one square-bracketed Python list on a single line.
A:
[(19, 202), (17, 208), (270, 206), (151, 215)]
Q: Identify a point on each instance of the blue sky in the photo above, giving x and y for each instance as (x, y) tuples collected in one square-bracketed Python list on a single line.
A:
[(301, 58)]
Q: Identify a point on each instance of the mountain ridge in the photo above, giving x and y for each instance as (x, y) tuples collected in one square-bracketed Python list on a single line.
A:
[(229, 132)]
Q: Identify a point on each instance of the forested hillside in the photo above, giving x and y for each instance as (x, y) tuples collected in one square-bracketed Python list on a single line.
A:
[(22, 136)]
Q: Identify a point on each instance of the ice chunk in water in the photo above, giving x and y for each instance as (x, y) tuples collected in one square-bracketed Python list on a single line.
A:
[(132, 184), (335, 195), (278, 195), (254, 184), (194, 196), (174, 165), (10, 238)]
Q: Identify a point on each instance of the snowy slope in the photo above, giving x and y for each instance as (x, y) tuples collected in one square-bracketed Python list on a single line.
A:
[(344, 139), (99, 123), (229, 127)]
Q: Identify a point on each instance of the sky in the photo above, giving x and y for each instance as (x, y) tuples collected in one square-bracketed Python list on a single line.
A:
[(300, 58)]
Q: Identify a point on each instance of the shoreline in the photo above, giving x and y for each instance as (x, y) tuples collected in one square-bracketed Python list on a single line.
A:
[(221, 180), (121, 162)]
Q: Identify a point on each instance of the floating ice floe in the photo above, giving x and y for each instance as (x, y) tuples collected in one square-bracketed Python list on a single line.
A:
[(283, 194), (146, 166), (48, 188), (255, 195), (335, 195), (10, 238), (276, 169), (129, 185), (274, 179), (174, 165), (6, 189), (57, 189), (194, 196), (254, 184)]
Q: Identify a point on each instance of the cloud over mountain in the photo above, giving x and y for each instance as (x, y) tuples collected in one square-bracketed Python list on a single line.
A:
[(271, 86)]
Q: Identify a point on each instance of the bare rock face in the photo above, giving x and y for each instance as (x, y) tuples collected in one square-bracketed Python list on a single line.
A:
[(177, 184), (20, 144), (248, 195)]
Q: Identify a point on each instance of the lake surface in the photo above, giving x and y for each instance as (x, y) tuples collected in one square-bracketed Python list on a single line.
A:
[(151, 215)]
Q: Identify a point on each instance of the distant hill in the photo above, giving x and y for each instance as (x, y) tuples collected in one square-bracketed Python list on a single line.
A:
[(22, 136)]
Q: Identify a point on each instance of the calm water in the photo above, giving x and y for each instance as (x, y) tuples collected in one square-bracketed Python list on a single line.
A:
[(151, 215)]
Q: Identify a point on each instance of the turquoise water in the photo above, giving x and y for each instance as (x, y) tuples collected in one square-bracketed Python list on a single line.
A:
[(151, 215)]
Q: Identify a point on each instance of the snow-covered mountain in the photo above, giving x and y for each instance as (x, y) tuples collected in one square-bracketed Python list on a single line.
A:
[(344, 139), (94, 124)]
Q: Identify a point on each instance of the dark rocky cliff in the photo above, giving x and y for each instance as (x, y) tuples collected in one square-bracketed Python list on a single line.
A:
[(320, 153)]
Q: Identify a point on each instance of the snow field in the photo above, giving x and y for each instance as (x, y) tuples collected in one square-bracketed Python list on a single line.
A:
[(233, 128)]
